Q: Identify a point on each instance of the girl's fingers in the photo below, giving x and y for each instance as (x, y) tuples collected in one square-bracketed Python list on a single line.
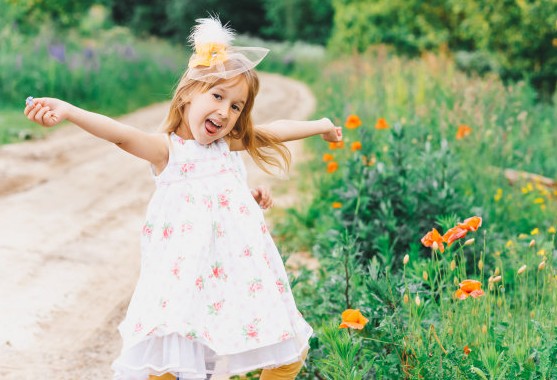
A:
[(50, 119), (39, 115), (33, 112)]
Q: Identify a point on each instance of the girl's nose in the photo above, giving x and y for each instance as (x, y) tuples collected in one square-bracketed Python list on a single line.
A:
[(223, 111)]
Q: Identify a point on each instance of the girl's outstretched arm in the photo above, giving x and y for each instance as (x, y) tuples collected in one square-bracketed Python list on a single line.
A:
[(49, 112), (289, 130)]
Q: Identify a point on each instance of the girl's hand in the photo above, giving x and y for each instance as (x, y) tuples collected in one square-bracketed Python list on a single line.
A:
[(262, 196), (334, 133), (47, 111)]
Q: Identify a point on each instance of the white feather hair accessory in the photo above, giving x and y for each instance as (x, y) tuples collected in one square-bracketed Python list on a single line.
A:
[(214, 57)]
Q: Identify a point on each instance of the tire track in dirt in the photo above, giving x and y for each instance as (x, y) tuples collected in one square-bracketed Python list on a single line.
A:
[(71, 211)]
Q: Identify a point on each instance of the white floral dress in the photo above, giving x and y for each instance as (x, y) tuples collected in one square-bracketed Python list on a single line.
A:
[(213, 295)]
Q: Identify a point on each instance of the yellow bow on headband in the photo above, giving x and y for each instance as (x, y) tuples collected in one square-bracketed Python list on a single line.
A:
[(208, 54)]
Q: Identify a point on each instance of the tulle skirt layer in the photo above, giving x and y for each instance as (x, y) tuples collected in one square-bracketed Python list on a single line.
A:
[(194, 360)]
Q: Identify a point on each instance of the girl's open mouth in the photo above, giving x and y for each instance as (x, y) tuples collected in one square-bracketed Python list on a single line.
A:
[(211, 127)]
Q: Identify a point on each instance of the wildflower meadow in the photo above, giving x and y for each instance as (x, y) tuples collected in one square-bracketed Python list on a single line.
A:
[(435, 235)]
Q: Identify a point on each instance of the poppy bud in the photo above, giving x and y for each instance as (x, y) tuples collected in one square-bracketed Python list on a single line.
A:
[(425, 275), (406, 259), (495, 279), (521, 269), (532, 243), (418, 300), (541, 266), (469, 241)]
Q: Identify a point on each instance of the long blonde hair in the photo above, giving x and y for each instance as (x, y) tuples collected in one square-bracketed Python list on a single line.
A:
[(256, 142)]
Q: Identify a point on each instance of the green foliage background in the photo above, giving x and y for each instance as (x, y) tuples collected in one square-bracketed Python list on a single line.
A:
[(514, 38)]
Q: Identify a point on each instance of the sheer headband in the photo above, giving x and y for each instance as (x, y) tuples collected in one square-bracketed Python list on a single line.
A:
[(214, 58)]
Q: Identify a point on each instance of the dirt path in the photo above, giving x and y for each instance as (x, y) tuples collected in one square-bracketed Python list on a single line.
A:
[(71, 210)]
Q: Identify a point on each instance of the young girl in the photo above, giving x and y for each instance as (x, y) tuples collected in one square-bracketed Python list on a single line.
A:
[(213, 294)]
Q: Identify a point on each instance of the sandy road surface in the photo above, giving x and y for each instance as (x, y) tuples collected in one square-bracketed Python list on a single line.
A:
[(71, 207)]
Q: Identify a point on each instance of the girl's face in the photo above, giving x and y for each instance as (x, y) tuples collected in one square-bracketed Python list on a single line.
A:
[(212, 115)]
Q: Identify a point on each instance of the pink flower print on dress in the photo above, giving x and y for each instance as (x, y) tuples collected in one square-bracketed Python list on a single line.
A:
[(207, 336), (186, 168), (264, 228), (285, 335), (244, 210), (152, 331), (189, 198), (267, 260), (208, 203), (251, 330), (138, 327), (186, 227), (163, 303), (248, 252), (215, 307), (176, 270), (280, 286), (176, 267), (191, 335), (167, 231), (199, 282), (147, 230), (218, 230), (255, 286), (180, 140), (217, 271), (224, 202)]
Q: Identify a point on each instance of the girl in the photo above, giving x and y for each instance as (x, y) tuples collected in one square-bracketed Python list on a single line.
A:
[(213, 295)]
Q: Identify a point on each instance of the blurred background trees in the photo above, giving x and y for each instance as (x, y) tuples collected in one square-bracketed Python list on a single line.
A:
[(516, 39)]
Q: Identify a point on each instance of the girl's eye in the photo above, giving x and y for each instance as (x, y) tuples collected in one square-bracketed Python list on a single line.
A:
[(217, 96), (236, 108)]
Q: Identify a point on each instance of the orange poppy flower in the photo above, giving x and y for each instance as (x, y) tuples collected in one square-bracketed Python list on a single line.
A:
[(339, 144), (356, 145), (432, 237), (352, 122), (469, 288), (332, 145), (381, 124), (454, 234), (336, 205), (327, 157), (463, 131), (353, 318), (467, 350), (332, 167), (472, 224)]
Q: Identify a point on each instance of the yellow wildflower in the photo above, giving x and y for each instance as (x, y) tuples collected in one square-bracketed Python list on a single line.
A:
[(498, 195), (535, 231)]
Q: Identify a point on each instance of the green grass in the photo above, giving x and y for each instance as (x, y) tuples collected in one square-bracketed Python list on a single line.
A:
[(15, 127)]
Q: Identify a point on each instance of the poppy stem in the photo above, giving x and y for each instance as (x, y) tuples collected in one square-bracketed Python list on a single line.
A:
[(432, 330)]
